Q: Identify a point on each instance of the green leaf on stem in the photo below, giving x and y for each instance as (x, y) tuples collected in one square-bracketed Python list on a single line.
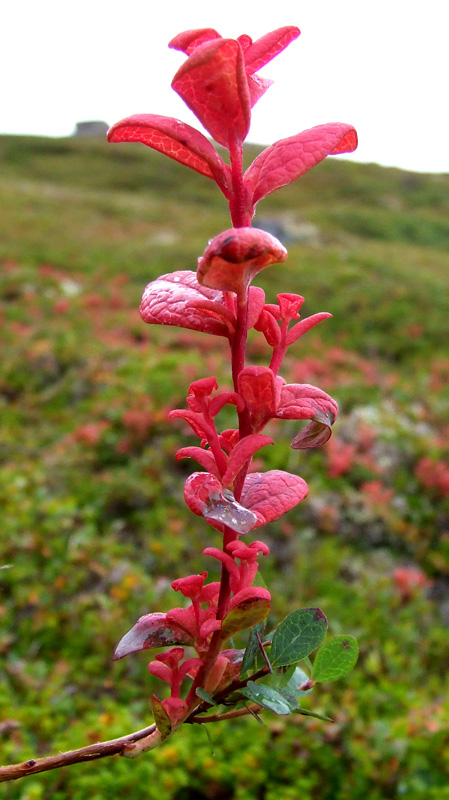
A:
[(249, 612), (290, 697), (205, 696), (252, 648), (335, 659), (298, 635), (161, 718)]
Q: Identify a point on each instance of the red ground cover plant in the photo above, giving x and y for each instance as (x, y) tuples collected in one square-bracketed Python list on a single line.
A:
[(220, 84), (433, 474)]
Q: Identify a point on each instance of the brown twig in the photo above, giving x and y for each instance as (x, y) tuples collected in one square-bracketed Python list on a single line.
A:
[(89, 753), (118, 746), (237, 712)]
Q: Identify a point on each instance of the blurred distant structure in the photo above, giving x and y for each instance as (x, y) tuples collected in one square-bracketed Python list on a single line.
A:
[(93, 127)]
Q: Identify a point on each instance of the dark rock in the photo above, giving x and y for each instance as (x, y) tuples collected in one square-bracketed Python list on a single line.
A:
[(91, 128)]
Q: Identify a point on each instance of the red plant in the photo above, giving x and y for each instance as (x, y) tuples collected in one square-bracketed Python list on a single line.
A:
[(376, 494), (408, 581), (91, 432), (218, 81), (219, 84), (433, 474), (340, 456)]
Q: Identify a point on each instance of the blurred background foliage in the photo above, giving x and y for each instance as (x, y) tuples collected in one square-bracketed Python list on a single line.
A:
[(94, 526)]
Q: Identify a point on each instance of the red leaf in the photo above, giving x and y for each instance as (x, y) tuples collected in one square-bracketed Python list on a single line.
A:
[(176, 710), (244, 41), (196, 421), (176, 140), (191, 586), (256, 301), (250, 593), (288, 308), (184, 618), (257, 87), (202, 388), (303, 401), (213, 83), (288, 159), (248, 607), (161, 671), (269, 327), (205, 496), (214, 310), (243, 452), (234, 659), (305, 325), (223, 399), (234, 257), (151, 630), (260, 390), (198, 490), (271, 494), (315, 433), (267, 47), (187, 41), (204, 457), (175, 299)]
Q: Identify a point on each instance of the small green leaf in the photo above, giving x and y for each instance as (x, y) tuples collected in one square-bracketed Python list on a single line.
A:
[(282, 675), (211, 744), (252, 648), (307, 663), (245, 614), (335, 659), (267, 697), (161, 718), (298, 635), (298, 678), (306, 713), (256, 716), (205, 696)]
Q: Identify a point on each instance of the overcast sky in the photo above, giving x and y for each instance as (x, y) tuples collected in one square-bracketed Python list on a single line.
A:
[(379, 65)]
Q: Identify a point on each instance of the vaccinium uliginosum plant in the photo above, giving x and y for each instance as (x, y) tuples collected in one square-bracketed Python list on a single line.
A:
[(219, 83)]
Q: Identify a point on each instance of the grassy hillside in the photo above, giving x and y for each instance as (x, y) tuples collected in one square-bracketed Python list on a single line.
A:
[(94, 527)]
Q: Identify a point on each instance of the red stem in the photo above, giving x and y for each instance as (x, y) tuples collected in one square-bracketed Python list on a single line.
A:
[(280, 350), (215, 444), (240, 218), (216, 641)]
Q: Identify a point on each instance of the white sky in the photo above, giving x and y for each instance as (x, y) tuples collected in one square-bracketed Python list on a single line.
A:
[(381, 65)]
